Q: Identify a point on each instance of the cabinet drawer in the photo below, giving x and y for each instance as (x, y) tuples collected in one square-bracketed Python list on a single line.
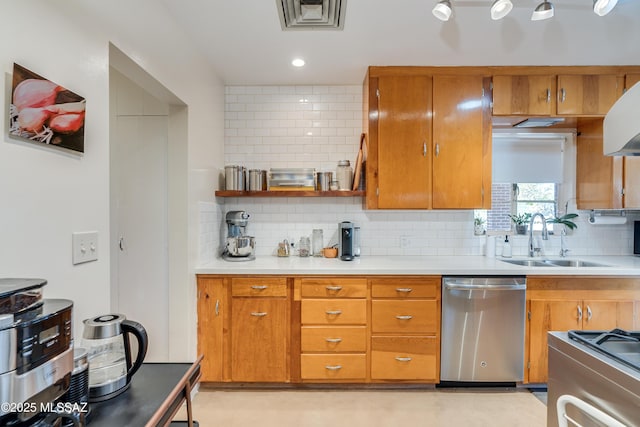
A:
[(259, 287), (334, 312), (334, 338), (334, 288), (404, 358), (406, 288), (333, 367), (414, 316)]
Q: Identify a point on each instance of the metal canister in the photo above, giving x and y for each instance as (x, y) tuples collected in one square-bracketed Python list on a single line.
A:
[(231, 177), (255, 180), (242, 177), (323, 181)]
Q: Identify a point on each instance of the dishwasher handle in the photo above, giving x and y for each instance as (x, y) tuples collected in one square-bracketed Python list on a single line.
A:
[(487, 287)]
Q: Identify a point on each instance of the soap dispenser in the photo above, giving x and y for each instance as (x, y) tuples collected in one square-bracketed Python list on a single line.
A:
[(506, 247)]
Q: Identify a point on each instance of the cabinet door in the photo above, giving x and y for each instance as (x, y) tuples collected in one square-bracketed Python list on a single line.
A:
[(259, 339), (210, 326), (606, 315), (461, 144), (596, 184), (523, 95), (404, 137), (588, 94), (548, 315)]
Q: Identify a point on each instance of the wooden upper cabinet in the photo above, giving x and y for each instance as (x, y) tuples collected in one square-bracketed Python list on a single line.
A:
[(461, 142), (404, 140), (588, 94), (523, 95), (604, 182)]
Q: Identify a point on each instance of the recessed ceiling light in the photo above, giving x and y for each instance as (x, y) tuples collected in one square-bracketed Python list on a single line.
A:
[(298, 62)]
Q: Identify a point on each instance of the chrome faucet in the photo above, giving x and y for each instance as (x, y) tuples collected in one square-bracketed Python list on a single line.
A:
[(563, 243), (545, 233)]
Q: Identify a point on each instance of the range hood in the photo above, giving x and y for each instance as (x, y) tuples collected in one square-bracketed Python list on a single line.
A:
[(622, 125)]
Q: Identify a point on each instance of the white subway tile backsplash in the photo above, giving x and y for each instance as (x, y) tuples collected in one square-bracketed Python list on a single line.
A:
[(269, 126)]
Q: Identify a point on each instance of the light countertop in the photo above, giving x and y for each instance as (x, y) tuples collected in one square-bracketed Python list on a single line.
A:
[(417, 265)]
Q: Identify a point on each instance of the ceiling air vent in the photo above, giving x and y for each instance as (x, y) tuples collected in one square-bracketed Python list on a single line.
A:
[(311, 14)]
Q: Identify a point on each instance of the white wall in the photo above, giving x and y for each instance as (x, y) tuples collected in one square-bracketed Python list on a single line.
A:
[(47, 194), (267, 126)]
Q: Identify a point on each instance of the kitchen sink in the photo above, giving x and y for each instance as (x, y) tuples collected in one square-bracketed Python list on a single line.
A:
[(553, 263), (527, 262), (573, 263)]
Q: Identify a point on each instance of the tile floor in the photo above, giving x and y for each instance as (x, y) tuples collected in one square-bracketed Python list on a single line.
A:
[(368, 408)]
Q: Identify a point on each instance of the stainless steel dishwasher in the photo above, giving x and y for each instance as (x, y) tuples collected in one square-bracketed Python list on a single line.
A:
[(483, 322)]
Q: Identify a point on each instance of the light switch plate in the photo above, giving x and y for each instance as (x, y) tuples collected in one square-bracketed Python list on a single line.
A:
[(84, 246)]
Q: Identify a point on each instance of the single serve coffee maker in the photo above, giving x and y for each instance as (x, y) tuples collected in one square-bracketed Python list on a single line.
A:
[(239, 246), (348, 241)]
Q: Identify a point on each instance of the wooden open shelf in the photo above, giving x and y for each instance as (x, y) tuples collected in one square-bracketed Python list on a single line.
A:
[(232, 193)]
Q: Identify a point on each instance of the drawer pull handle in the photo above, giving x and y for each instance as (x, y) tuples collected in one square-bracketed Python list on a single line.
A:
[(403, 359), (333, 312), (334, 288), (259, 287), (579, 313), (333, 367), (406, 317), (589, 313), (333, 340), (404, 290), (259, 313)]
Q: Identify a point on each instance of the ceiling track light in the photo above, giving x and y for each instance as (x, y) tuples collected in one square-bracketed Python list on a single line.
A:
[(543, 11), (603, 7), (442, 10), (500, 9)]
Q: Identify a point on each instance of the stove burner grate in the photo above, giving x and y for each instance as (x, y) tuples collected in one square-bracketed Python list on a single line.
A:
[(617, 344)]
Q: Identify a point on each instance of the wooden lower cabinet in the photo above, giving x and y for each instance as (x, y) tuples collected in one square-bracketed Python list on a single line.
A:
[(405, 329), (578, 303), (405, 358), (211, 309), (259, 339), (333, 332)]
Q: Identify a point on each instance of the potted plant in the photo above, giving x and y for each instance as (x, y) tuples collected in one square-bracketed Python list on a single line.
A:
[(478, 226), (565, 220), (521, 221)]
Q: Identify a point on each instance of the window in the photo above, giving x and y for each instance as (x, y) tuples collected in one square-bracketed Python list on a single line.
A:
[(531, 198), (519, 199)]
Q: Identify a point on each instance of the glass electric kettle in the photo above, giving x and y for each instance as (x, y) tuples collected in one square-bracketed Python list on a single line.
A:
[(106, 339)]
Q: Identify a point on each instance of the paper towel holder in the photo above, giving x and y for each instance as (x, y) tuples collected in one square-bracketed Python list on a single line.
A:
[(619, 215)]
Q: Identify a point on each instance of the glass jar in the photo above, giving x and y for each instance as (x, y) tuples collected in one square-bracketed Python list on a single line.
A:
[(316, 242), (344, 174), (304, 247)]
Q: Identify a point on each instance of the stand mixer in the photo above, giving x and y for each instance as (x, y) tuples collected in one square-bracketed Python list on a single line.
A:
[(239, 247)]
